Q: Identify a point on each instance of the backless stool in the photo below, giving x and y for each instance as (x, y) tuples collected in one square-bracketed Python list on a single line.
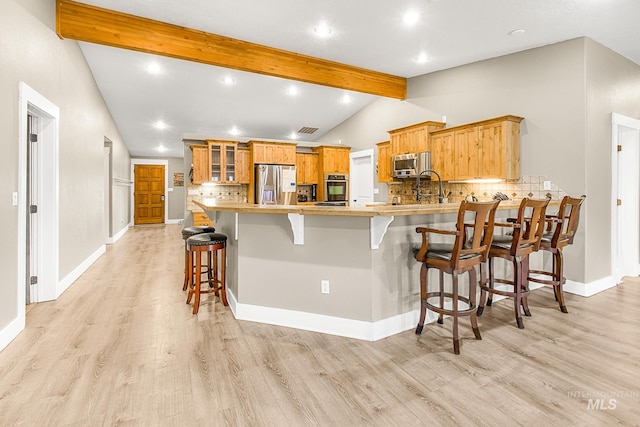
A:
[(186, 233), (210, 244)]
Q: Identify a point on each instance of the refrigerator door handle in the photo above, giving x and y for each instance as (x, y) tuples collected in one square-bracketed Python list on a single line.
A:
[(278, 174)]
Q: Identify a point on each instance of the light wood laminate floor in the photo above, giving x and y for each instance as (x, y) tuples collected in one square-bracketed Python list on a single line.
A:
[(120, 346)]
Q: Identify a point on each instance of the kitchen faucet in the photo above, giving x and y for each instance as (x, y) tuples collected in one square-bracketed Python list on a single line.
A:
[(421, 195)]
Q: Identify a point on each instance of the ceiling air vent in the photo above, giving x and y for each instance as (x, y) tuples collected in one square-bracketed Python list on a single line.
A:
[(307, 130)]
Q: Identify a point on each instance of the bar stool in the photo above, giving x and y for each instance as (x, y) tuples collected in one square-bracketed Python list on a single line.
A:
[(561, 229), (522, 239), (186, 233), (470, 249), (210, 244)]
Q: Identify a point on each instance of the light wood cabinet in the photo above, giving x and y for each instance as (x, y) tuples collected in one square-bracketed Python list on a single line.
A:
[(414, 138), (480, 150), (330, 160), (201, 218), (442, 155), (222, 161), (272, 153), (307, 168), (467, 153), (199, 164), (243, 165), (384, 161)]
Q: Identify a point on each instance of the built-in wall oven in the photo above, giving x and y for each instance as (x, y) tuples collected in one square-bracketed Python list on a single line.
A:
[(336, 187)]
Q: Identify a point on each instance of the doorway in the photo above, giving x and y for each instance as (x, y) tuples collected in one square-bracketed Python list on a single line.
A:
[(37, 196), (32, 199), (625, 204), (108, 196), (149, 194), (361, 185)]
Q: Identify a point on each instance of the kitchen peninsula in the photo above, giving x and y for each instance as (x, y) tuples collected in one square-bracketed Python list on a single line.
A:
[(279, 256)]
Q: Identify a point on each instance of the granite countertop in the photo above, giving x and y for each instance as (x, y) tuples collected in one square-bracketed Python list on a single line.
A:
[(368, 211)]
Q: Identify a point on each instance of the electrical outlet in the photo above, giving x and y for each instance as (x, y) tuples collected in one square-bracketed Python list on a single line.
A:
[(546, 185), (324, 286)]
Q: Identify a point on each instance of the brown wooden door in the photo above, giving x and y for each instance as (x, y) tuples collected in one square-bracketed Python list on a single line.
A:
[(149, 194)]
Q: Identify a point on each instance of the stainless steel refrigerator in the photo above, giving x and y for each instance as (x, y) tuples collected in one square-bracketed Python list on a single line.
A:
[(275, 185)]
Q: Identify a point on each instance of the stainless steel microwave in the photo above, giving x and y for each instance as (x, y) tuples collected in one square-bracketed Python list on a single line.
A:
[(410, 165)]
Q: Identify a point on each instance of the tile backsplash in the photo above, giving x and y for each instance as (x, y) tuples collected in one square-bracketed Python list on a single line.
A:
[(234, 193), (404, 192)]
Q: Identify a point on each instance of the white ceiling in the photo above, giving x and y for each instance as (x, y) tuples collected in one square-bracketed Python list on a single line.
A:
[(191, 100)]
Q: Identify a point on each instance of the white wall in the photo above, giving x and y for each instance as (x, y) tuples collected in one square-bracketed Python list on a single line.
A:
[(30, 51), (566, 92)]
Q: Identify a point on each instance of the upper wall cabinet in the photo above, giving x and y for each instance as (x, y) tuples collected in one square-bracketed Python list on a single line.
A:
[(414, 138), (243, 166), (480, 150), (278, 153), (332, 160), (199, 164), (306, 168), (384, 161), (222, 161)]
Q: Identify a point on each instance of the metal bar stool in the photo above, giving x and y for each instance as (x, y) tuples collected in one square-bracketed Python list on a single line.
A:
[(186, 233), (209, 243)]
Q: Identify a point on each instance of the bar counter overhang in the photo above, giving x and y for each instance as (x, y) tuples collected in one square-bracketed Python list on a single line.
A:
[(277, 257)]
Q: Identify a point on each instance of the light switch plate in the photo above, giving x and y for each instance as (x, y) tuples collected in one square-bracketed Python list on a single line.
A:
[(546, 185), (14, 197)]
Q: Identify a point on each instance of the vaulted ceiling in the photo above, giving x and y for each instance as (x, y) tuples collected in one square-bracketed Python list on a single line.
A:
[(192, 98)]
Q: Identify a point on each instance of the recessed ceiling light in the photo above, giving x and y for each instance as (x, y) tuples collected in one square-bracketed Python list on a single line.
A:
[(162, 149), (234, 131), (517, 32), (292, 90), (411, 17), (228, 80), (346, 99), (322, 29), (421, 58), (160, 125), (154, 68), (293, 135)]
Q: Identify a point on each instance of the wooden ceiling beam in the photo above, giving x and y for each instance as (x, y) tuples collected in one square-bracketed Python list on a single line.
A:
[(92, 24)]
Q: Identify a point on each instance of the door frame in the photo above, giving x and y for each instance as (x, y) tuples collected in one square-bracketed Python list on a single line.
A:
[(357, 155), (31, 102), (167, 190), (617, 121)]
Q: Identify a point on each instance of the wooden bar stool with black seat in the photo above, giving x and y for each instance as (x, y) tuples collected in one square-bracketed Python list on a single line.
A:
[(560, 231), (522, 240), (473, 233), (186, 233), (209, 244)]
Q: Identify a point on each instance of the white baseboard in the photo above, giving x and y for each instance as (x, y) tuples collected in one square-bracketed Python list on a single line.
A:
[(112, 240), (77, 272), (372, 331), (9, 332), (174, 221), (589, 289), (368, 331)]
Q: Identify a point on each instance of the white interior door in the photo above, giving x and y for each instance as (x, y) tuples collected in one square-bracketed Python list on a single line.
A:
[(361, 179), (626, 206)]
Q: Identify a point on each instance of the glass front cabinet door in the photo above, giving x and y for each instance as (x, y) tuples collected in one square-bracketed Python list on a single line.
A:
[(222, 161)]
